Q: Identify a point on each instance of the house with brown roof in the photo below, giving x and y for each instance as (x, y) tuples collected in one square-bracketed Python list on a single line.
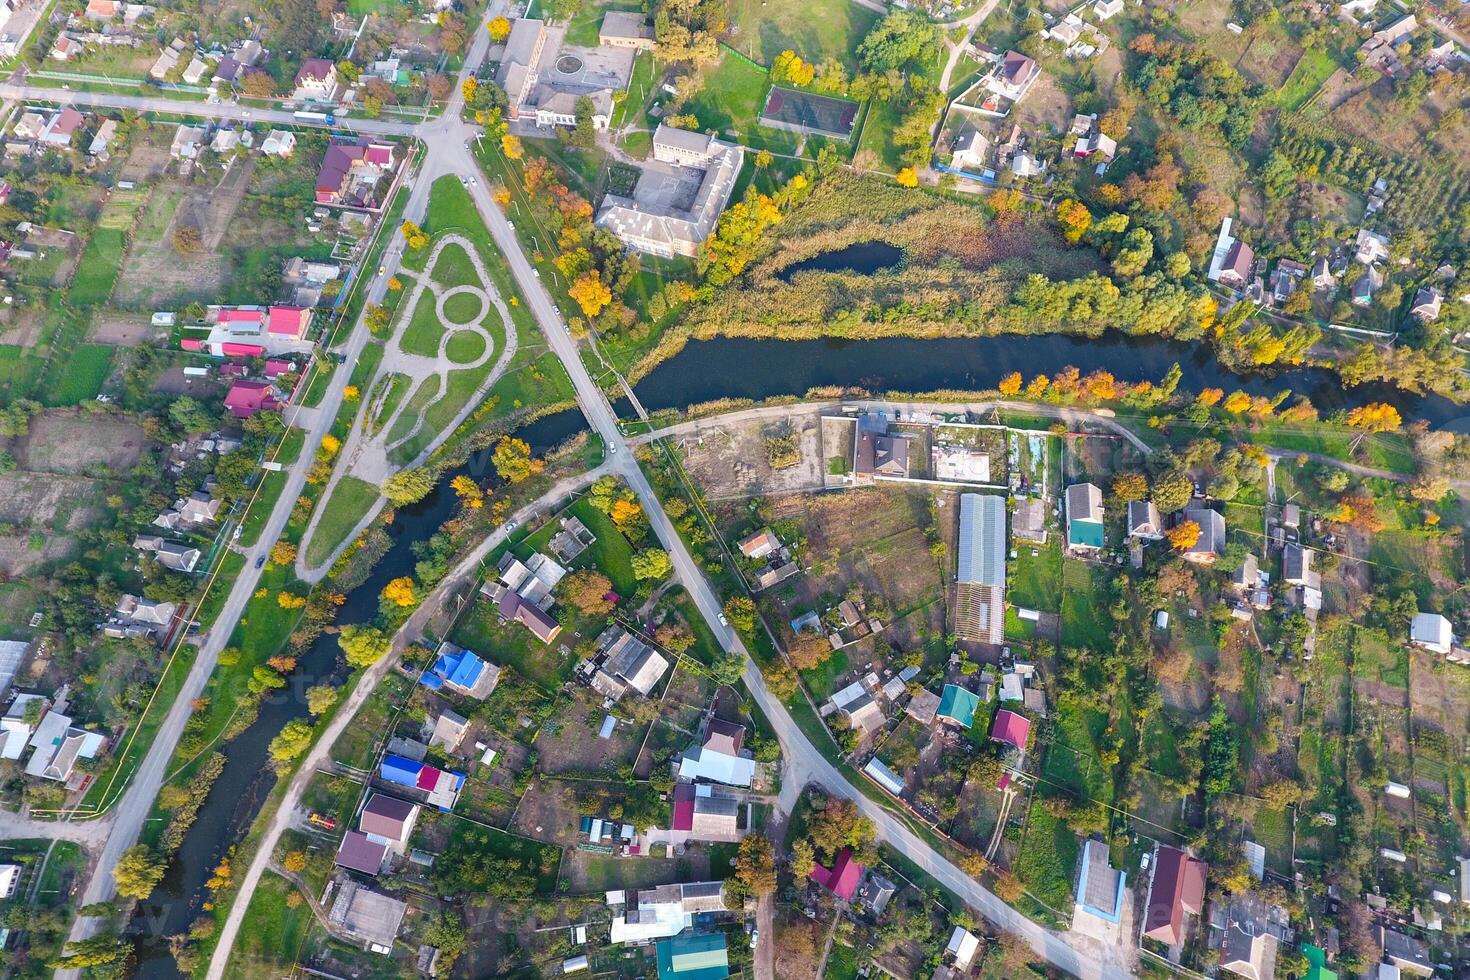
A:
[(316, 81), (1009, 81), (876, 453), (1239, 269), (352, 172), (388, 820), (1177, 889)]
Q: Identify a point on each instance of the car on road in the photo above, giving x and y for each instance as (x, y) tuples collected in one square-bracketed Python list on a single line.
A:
[(536, 273), (612, 449), (510, 526), (556, 310), (512, 225), (466, 144), (723, 620), (260, 562), (245, 113)]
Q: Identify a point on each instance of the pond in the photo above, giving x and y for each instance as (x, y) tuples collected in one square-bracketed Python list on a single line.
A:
[(864, 257)]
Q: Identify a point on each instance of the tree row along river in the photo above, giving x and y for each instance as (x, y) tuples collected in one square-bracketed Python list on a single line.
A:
[(706, 371)]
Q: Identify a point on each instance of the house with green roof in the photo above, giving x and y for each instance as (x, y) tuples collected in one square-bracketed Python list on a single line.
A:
[(1317, 963), (957, 706), (694, 956), (1084, 517)]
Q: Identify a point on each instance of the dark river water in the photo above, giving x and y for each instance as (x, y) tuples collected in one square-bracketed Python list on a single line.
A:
[(248, 777), (705, 371)]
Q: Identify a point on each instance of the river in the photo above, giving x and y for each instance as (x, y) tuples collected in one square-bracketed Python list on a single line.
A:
[(247, 778), (736, 367)]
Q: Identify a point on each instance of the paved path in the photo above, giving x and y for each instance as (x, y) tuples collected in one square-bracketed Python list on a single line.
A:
[(366, 456), (320, 755)]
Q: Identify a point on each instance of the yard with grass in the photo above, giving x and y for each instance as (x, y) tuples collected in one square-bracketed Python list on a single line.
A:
[(816, 30), (87, 368), (731, 101), (272, 933), (1048, 858), (1035, 582), (1084, 620), (1312, 69)]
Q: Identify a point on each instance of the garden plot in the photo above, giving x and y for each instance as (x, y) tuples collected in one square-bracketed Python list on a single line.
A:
[(82, 444)]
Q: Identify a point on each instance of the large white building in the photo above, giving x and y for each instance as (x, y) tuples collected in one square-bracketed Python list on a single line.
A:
[(680, 194)]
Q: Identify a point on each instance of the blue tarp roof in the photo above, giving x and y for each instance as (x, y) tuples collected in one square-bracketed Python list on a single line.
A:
[(397, 769), (458, 667)]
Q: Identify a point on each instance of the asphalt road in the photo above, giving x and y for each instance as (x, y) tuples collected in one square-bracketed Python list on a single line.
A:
[(445, 138)]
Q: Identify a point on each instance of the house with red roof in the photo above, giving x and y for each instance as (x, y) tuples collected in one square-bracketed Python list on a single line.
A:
[(1012, 729), (352, 172), (275, 368), (316, 81), (1178, 889), (246, 398), (288, 321), (842, 878)]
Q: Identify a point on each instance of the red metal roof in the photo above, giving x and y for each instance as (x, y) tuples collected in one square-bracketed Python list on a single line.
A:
[(428, 778), (191, 343), (290, 321), (1010, 728), (842, 878), (232, 349), (245, 398), (683, 807), (232, 314)]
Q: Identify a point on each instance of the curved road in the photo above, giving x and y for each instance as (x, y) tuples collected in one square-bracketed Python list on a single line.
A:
[(447, 153)]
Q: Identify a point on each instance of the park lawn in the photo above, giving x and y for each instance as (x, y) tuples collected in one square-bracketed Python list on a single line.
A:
[(463, 308), (1048, 858), (459, 388), (464, 347), (1036, 582), (1313, 69), (424, 332), (1084, 621), (815, 30), (272, 933), (453, 268), (349, 502), (87, 369), (398, 385)]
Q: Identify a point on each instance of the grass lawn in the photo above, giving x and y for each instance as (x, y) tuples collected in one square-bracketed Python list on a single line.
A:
[(463, 308), (1036, 583), (454, 268), (731, 101), (1387, 451), (611, 552), (351, 498), (464, 347), (822, 679), (816, 30), (640, 87), (97, 271), (460, 387), (1312, 69), (877, 134), (841, 963), (1072, 758), (505, 845), (272, 932), (87, 368), (357, 745), (1048, 859), (582, 30), (1084, 621), (398, 385), (424, 332)]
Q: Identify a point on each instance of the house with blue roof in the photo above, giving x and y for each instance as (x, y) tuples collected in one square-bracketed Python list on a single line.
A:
[(461, 672), (690, 956), (1084, 517), (957, 706), (1101, 888)]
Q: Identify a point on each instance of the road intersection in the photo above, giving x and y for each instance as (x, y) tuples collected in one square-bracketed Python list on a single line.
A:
[(447, 141)]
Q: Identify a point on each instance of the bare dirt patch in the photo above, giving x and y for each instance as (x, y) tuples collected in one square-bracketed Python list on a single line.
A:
[(589, 873), (42, 500), (548, 812), (83, 444), (146, 161), (122, 332), (173, 381), (22, 328), (19, 557), (731, 458), (575, 747)]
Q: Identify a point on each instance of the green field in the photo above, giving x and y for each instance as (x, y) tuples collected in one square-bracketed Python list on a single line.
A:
[(86, 370), (464, 347), (816, 30), (97, 272), (1084, 620), (424, 332), (462, 308), (351, 499), (1036, 583), (1313, 69), (453, 268)]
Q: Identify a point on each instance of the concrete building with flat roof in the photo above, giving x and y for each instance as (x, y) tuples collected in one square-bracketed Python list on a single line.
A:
[(680, 194)]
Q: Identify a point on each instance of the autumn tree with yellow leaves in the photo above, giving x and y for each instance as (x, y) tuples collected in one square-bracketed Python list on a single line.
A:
[(590, 292), (1184, 535), (401, 592)]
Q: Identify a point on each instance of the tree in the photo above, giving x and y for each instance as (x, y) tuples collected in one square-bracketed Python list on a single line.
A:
[(839, 824), (809, 650), (1375, 417), (781, 680), (512, 459), (740, 612), (1010, 384), (510, 145), (189, 415), (1172, 491), (587, 590), (499, 28), (187, 240), (907, 177), (728, 668), (293, 739), (415, 237), (103, 950), (294, 861), (376, 318), (803, 859), (651, 564), (401, 592), (259, 84), (1130, 486), (1184, 535), (1075, 219), (763, 159), (320, 698), (755, 865), (584, 131), (899, 38), (590, 293), (138, 872), (408, 486), (973, 863), (468, 491), (363, 646), (283, 553)]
